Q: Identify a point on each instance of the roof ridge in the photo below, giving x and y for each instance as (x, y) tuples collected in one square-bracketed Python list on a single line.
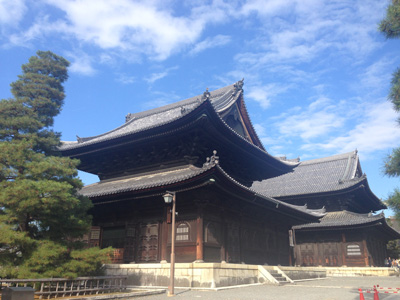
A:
[(158, 110), (328, 158)]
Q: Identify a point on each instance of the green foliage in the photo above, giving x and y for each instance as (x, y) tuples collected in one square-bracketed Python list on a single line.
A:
[(390, 26), (393, 202), (87, 261), (393, 249), (394, 95), (41, 213), (392, 163), (40, 85)]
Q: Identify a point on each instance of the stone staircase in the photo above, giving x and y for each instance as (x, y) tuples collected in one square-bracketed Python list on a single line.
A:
[(273, 275), (279, 277)]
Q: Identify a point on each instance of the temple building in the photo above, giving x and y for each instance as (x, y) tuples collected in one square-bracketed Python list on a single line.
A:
[(236, 203), (349, 233)]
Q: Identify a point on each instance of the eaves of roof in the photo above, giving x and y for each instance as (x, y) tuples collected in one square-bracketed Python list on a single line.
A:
[(221, 99), (345, 220), (201, 110), (178, 179), (141, 182), (357, 184), (334, 174), (340, 219)]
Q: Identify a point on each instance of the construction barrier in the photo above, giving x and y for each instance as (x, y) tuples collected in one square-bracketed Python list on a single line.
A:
[(376, 290)]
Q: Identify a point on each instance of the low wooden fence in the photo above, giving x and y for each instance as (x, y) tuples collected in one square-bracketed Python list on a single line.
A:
[(62, 287)]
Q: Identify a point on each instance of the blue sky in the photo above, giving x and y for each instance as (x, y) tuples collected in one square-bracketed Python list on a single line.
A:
[(316, 72)]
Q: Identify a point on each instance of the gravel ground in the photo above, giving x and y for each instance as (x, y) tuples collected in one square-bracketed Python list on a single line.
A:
[(333, 288)]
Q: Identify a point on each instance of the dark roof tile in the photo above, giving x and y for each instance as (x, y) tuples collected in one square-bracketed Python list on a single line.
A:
[(342, 218), (221, 100), (314, 176)]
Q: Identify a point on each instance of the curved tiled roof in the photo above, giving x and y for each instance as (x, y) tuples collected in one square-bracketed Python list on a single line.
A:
[(167, 177), (343, 218), (141, 181), (327, 174), (221, 99), (350, 220)]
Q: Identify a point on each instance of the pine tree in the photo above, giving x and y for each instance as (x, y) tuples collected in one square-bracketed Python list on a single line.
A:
[(390, 27), (41, 213)]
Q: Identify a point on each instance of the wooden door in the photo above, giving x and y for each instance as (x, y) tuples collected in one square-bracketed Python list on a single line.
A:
[(330, 252), (148, 242), (233, 247)]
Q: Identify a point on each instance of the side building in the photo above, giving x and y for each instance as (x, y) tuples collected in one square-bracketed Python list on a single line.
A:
[(349, 234)]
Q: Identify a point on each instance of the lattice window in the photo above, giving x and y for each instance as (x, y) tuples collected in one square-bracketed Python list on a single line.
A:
[(114, 237), (182, 232), (353, 250)]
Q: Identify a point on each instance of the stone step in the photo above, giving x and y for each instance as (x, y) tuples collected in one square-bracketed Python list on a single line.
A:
[(278, 276)]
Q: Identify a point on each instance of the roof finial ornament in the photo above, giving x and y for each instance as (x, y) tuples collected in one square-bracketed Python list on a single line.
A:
[(79, 139), (206, 95), (128, 117), (213, 160), (239, 85)]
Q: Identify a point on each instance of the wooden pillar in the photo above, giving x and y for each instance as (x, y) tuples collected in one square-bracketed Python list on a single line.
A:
[(366, 260), (344, 249), (164, 236), (200, 236), (241, 255), (224, 237)]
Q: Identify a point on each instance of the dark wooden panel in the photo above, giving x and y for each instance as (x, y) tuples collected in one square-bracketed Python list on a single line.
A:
[(185, 253), (233, 247), (212, 254), (148, 242)]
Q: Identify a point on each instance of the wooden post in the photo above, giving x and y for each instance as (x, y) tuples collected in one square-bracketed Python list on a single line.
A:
[(172, 267), (224, 239), (164, 236), (366, 260), (343, 250), (200, 236)]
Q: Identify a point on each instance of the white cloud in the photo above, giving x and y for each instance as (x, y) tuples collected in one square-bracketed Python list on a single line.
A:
[(317, 121), (377, 75), (262, 94), (297, 31), (216, 41), (377, 131), (315, 125), (157, 76), (265, 7), (38, 30), (126, 79), (81, 64), (12, 11), (161, 99), (132, 27)]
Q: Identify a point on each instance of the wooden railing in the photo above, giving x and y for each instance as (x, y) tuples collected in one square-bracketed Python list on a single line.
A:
[(62, 287)]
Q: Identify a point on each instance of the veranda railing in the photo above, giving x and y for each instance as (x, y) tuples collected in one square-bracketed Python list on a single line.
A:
[(62, 287)]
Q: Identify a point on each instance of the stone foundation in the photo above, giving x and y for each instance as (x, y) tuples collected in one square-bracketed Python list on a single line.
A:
[(206, 275), (216, 275)]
